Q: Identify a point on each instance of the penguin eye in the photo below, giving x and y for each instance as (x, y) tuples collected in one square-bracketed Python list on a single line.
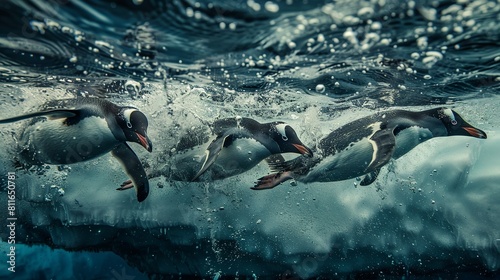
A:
[(284, 137), (129, 125), (449, 113)]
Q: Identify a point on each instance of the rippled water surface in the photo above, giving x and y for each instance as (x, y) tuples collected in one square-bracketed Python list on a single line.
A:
[(315, 64)]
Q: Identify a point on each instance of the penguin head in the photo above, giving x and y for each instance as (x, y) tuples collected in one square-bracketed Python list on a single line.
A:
[(288, 141), (456, 125), (135, 125)]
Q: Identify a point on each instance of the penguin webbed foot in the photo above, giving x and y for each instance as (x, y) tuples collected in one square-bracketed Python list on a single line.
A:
[(142, 190), (272, 180), (126, 185)]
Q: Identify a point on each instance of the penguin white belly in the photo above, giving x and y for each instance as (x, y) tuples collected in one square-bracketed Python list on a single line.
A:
[(349, 163), (53, 142), (409, 138), (242, 155)]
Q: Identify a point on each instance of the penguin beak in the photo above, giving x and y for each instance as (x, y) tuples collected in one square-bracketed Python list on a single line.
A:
[(145, 142), (303, 149), (474, 132)]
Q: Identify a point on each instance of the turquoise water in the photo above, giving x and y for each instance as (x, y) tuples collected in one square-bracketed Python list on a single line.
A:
[(47, 263)]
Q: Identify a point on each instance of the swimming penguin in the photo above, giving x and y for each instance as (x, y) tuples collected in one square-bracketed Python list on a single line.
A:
[(363, 146), (242, 143), (74, 130), (229, 147)]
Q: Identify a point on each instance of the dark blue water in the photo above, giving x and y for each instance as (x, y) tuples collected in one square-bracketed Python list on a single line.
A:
[(285, 56), (199, 40)]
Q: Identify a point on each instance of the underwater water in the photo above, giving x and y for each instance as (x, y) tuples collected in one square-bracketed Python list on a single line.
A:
[(315, 65)]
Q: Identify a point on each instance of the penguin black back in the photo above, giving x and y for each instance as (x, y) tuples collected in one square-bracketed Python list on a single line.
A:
[(277, 137)]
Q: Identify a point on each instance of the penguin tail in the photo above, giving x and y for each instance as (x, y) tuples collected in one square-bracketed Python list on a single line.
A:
[(272, 180)]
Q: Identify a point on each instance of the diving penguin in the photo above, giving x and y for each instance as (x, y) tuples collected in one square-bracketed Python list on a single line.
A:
[(241, 143), (363, 146), (227, 147), (75, 130)]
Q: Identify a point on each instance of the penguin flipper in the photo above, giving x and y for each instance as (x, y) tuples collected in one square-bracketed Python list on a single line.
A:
[(384, 143), (370, 178), (50, 114), (212, 152), (134, 169)]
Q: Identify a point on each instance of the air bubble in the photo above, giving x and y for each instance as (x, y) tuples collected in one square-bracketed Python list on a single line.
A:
[(320, 38), (320, 88), (271, 7), (189, 12)]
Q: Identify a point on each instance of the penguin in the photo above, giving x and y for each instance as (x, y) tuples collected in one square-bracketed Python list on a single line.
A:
[(75, 130), (228, 147), (241, 143), (363, 146)]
